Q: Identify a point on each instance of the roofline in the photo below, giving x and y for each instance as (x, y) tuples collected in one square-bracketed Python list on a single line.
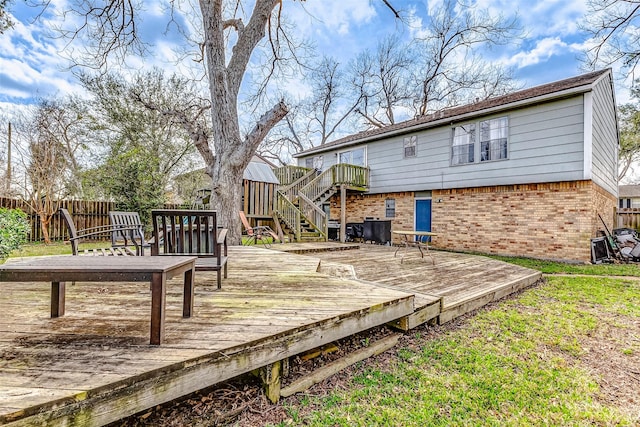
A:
[(448, 120)]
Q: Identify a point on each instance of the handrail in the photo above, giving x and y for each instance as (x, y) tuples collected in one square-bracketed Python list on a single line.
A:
[(291, 190), (288, 213), (314, 215), (289, 174)]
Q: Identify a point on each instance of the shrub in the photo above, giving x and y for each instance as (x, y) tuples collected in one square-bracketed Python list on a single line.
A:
[(14, 228)]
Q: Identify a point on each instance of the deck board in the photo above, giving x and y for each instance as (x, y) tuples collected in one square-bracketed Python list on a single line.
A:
[(455, 279)]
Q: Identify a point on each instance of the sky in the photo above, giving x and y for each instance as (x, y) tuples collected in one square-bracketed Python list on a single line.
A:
[(33, 63)]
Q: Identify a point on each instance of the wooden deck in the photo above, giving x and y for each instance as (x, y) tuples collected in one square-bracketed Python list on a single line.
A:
[(94, 365), (452, 285)]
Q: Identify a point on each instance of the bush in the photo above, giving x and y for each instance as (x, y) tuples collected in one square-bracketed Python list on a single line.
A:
[(14, 228)]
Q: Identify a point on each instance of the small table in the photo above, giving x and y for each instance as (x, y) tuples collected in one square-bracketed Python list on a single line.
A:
[(156, 270), (417, 243)]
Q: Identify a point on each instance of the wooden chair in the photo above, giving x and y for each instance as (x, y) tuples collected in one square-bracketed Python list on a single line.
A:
[(260, 234), (121, 239), (191, 232), (75, 236)]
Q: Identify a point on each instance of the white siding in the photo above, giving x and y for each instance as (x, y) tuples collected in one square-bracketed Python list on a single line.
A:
[(605, 137), (545, 145)]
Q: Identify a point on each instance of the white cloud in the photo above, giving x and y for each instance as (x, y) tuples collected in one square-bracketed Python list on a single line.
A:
[(544, 49)]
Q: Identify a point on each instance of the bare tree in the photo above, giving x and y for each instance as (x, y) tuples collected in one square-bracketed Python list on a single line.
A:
[(449, 68), (381, 80), (46, 164), (615, 29)]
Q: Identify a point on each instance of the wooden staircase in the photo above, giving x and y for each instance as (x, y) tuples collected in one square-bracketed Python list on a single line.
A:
[(298, 204)]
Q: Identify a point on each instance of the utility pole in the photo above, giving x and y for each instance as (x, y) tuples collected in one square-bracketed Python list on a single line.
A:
[(8, 180)]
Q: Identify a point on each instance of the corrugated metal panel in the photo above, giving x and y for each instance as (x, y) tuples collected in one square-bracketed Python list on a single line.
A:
[(260, 172)]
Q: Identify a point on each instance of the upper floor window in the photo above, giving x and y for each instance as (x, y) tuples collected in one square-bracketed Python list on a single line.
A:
[(492, 134), (409, 144), (314, 162), (464, 141), (493, 139), (357, 156)]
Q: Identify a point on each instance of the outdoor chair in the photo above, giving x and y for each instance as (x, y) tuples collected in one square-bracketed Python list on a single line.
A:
[(191, 232), (75, 236), (260, 234), (122, 239)]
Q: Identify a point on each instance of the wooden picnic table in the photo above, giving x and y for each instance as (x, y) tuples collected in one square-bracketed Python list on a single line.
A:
[(417, 242), (60, 269)]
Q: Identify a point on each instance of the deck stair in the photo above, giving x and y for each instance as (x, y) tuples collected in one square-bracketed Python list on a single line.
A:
[(299, 201)]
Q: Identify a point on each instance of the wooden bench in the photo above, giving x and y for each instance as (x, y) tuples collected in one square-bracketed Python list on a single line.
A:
[(75, 236), (191, 232)]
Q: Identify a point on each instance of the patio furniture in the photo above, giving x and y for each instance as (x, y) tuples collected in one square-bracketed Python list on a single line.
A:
[(421, 241), (75, 236), (260, 234), (122, 239), (60, 269), (191, 232)]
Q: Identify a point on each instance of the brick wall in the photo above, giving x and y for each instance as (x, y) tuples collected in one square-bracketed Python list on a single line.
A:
[(548, 221)]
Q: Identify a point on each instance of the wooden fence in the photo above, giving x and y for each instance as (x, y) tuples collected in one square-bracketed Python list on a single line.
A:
[(629, 218), (85, 214)]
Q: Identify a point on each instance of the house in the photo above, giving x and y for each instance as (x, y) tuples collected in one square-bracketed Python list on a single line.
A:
[(528, 174), (629, 196)]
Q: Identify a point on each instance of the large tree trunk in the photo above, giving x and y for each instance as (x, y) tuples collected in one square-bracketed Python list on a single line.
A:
[(232, 152)]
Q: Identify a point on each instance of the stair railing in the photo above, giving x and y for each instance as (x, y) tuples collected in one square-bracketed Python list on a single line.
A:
[(291, 190), (342, 173), (316, 217), (288, 213), (318, 186)]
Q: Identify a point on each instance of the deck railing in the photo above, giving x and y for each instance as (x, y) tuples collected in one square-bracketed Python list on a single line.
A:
[(351, 175), (290, 174)]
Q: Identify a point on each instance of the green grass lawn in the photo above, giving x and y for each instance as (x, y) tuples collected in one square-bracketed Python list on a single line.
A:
[(554, 355)]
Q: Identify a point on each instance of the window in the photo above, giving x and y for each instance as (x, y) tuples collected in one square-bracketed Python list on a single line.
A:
[(390, 208), (493, 135), (464, 138), (355, 157), (409, 145), (493, 139), (314, 162)]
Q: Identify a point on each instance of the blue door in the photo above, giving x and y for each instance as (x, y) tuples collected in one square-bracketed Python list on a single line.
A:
[(423, 215)]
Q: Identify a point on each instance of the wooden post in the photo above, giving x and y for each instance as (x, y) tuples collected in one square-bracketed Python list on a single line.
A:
[(343, 213), (270, 376)]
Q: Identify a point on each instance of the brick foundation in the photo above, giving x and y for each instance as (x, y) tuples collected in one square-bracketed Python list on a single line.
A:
[(547, 221)]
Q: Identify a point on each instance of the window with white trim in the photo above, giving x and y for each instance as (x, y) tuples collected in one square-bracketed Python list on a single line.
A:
[(409, 144), (357, 157), (464, 141), (493, 139)]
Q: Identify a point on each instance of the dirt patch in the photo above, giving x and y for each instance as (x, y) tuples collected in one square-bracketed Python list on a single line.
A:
[(613, 357)]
